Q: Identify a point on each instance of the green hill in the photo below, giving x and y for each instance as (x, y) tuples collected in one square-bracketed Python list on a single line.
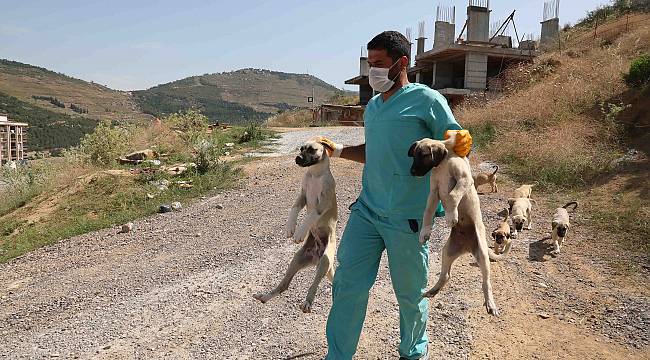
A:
[(47, 129), (33, 85), (237, 96)]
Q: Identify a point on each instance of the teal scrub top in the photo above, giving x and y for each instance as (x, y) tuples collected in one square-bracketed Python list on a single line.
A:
[(414, 112)]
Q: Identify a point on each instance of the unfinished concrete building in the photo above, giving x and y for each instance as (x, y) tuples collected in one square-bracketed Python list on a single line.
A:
[(471, 62), (12, 140)]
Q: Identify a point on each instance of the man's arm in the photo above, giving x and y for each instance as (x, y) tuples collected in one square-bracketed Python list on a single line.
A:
[(355, 153)]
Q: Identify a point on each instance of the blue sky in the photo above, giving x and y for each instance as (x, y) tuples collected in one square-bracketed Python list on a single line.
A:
[(133, 44)]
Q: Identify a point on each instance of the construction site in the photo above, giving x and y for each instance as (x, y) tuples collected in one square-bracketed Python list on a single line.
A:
[(12, 141), (470, 63)]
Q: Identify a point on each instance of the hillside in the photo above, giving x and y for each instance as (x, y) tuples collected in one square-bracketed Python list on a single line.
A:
[(47, 129), (237, 96), (25, 82)]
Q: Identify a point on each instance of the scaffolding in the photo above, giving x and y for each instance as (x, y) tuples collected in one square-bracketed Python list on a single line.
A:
[(12, 140)]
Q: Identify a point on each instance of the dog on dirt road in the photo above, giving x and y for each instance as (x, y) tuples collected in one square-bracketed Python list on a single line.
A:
[(318, 194), (523, 191), (487, 178), (502, 237), (521, 210), (451, 182), (560, 225)]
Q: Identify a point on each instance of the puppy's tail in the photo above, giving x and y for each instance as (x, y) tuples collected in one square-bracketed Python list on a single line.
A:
[(574, 203), (495, 257), (506, 214), (496, 169)]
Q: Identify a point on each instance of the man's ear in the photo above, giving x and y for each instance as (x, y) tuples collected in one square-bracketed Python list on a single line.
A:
[(412, 149), (404, 61)]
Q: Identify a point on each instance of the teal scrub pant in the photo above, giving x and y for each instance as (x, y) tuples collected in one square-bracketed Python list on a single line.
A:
[(365, 237)]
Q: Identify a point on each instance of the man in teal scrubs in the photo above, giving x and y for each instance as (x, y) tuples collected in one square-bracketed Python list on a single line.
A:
[(388, 213)]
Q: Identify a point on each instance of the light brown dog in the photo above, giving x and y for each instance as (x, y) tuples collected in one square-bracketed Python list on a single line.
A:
[(502, 237), (521, 210), (560, 225), (318, 194), (451, 182), (523, 191), (487, 178)]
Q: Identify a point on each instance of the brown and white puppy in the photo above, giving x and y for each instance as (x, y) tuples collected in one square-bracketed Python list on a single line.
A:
[(501, 236), (487, 178), (521, 211), (318, 194), (523, 191), (560, 225), (451, 182)]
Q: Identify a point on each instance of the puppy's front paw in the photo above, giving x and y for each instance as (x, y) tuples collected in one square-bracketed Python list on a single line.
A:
[(299, 235), (529, 227), (425, 234), (452, 218), (289, 230)]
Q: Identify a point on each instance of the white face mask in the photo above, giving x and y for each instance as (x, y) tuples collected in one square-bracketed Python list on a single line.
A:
[(378, 78)]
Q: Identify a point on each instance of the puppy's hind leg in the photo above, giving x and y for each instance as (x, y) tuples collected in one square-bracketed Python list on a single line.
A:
[(449, 253), (483, 261), (298, 262), (324, 266)]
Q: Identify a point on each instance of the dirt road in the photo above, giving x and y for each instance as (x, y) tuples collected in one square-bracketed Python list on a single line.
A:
[(180, 286)]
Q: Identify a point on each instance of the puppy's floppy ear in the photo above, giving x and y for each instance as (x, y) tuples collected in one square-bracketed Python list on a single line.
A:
[(494, 234), (412, 149), (438, 154), (327, 146), (511, 202)]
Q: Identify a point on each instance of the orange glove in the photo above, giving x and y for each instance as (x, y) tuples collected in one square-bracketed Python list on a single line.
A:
[(333, 149), (463, 144)]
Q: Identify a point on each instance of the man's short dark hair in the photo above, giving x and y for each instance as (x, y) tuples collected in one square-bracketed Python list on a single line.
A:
[(395, 44)]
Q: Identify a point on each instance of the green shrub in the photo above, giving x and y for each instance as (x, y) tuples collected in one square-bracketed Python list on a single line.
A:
[(482, 134), (639, 74), (207, 151), (252, 132), (104, 145), (191, 123), (21, 185)]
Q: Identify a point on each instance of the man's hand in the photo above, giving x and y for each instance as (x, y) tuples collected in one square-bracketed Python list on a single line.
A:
[(333, 149), (463, 144)]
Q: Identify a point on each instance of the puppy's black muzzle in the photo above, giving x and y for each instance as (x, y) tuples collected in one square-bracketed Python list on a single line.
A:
[(301, 161), (519, 226), (561, 232), (499, 239)]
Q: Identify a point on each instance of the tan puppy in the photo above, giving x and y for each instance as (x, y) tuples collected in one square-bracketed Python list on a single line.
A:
[(523, 191), (318, 194), (501, 236), (560, 225), (486, 178), (452, 183), (521, 211)]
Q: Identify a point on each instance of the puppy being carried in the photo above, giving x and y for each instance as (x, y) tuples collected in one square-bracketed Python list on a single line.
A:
[(560, 225), (318, 194), (452, 183), (487, 178)]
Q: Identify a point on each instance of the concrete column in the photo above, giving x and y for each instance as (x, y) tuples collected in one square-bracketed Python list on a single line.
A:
[(475, 71), (444, 35), (550, 33), (364, 68), (8, 143), (420, 48), (478, 23)]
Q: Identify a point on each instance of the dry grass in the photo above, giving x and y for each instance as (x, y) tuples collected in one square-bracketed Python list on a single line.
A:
[(548, 126), (293, 118)]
